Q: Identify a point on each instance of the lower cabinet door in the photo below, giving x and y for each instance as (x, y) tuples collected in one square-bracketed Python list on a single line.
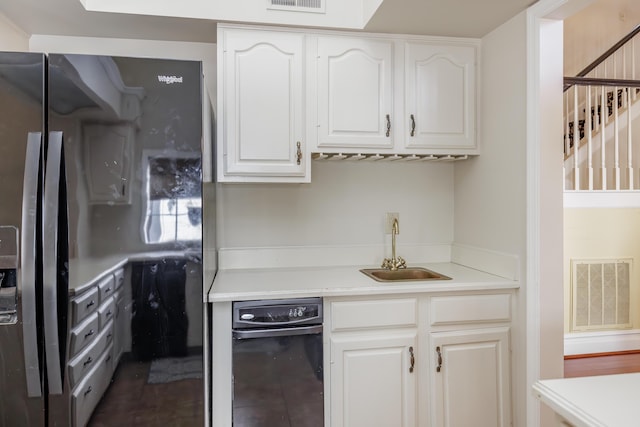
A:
[(373, 380), (470, 378)]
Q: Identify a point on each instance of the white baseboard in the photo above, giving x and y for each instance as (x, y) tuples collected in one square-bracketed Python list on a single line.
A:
[(601, 342)]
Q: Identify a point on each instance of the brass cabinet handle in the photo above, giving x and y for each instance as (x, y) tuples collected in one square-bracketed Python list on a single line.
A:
[(89, 360), (88, 334), (298, 153), (412, 359), (439, 359), (413, 126), (388, 125)]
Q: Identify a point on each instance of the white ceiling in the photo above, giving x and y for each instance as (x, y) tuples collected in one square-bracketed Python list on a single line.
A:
[(464, 18), (461, 18)]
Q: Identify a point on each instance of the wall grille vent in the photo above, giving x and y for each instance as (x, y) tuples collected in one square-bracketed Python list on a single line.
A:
[(316, 6), (600, 294)]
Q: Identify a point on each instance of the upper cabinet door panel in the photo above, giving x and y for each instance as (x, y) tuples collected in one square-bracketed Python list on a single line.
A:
[(263, 100), (440, 95), (355, 92), (108, 154)]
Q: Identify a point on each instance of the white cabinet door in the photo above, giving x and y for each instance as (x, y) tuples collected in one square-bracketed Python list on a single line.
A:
[(108, 155), (470, 378), (355, 93), (440, 98), (371, 380), (261, 104)]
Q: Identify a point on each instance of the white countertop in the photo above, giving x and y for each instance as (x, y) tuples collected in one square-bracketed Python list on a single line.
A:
[(597, 401), (269, 283)]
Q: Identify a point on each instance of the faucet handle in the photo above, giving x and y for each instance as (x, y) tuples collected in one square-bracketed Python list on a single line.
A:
[(386, 263), (401, 263)]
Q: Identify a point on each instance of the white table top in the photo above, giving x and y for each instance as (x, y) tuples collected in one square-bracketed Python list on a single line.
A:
[(597, 401), (262, 283)]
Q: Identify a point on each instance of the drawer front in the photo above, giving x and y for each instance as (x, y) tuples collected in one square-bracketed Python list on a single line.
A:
[(118, 277), (470, 308), (88, 393), (80, 365), (349, 315), (83, 334), (109, 332), (107, 311), (84, 304), (107, 287)]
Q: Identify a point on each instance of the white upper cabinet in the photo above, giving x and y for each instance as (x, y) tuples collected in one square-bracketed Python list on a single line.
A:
[(284, 94), (392, 95), (261, 106), (355, 93), (440, 96)]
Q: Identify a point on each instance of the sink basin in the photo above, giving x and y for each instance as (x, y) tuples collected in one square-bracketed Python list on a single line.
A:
[(403, 274)]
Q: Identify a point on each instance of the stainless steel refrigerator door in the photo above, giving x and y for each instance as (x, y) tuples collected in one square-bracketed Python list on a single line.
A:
[(132, 148), (21, 130)]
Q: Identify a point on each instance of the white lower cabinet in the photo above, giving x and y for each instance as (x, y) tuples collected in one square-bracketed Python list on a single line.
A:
[(471, 381), (373, 382), (96, 343), (440, 360)]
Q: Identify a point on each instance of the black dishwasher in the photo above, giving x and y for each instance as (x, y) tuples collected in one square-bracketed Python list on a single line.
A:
[(277, 363)]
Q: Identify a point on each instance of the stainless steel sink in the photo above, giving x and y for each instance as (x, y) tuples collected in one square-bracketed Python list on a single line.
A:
[(403, 274)]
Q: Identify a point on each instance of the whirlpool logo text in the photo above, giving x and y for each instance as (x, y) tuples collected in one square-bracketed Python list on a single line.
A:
[(170, 79)]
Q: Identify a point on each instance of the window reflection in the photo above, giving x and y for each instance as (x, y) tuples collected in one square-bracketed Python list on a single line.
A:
[(174, 203)]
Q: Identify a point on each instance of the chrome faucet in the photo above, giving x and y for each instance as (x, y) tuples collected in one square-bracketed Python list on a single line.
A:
[(395, 262)]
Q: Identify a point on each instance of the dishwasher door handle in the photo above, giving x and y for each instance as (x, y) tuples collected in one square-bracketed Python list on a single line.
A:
[(279, 332)]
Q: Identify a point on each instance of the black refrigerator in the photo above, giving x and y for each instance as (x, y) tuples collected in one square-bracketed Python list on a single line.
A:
[(100, 183)]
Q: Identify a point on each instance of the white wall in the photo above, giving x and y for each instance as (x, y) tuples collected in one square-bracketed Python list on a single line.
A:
[(490, 190), (11, 37), (546, 189), (599, 233), (345, 204), (589, 33)]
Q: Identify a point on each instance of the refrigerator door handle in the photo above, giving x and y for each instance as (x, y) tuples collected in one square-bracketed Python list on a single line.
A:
[(52, 341), (28, 270)]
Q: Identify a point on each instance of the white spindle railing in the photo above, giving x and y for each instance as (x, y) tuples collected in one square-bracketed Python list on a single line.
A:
[(601, 152), (601, 115)]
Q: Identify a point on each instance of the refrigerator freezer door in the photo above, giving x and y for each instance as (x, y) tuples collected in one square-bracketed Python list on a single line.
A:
[(21, 126), (29, 271)]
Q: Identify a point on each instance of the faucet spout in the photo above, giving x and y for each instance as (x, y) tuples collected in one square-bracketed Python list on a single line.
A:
[(395, 262)]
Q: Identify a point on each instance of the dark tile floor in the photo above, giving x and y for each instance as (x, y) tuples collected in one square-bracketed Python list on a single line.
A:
[(130, 401), (278, 387)]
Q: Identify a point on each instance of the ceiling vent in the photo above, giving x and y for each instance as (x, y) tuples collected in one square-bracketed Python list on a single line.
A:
[(316, 6)]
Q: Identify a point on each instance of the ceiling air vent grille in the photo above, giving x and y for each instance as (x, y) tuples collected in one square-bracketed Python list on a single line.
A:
[(316, 6)]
